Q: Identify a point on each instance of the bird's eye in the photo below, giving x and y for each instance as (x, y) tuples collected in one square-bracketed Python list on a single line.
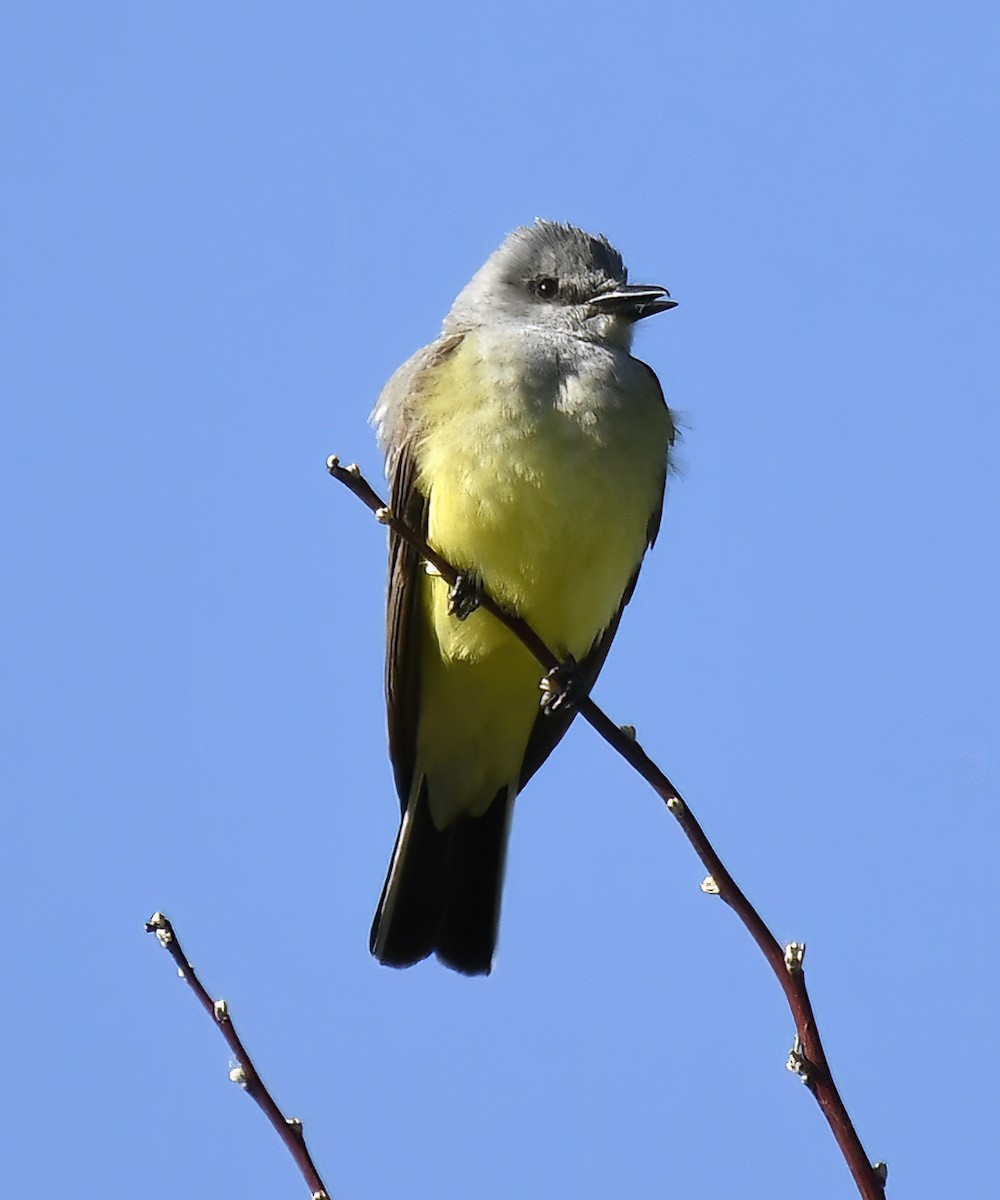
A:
[(547, 288)]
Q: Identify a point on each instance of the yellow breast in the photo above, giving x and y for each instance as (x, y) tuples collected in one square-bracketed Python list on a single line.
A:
[(542, 485)]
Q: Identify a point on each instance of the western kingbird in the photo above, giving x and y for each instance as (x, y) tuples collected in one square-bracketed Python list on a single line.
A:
[(531, 449)]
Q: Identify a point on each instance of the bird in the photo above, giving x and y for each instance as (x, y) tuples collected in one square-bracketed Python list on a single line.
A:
[(531, 450)]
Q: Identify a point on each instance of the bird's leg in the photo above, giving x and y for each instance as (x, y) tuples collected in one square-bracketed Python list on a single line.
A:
[(563, 687), (465, 595)]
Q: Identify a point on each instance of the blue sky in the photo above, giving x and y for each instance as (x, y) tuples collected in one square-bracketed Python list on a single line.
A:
[(225, 225)]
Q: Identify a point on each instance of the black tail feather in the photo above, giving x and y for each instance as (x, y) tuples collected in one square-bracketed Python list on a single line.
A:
[(410, 910), (467, 936), (442, 894)]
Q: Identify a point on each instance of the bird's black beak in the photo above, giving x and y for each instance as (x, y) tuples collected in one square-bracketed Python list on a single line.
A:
[(633, 301)]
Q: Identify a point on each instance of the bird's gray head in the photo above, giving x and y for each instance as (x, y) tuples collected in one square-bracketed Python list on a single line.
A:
[(556, 279)]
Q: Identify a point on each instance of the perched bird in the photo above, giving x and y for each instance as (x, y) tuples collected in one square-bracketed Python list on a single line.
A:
[(531, 449)]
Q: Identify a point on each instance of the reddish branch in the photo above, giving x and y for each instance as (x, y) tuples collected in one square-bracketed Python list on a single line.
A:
[(807, 1058), (289, 1129)]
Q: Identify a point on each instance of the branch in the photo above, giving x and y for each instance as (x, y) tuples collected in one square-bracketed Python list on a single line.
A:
[(807, 1058), (289, 1129)]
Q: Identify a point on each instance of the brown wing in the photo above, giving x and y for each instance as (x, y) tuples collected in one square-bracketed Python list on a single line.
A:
[(402, 662), (653, 528), (401, 659)]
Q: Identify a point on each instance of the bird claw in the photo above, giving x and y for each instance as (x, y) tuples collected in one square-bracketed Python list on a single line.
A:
[(464, 596), (563, 688)]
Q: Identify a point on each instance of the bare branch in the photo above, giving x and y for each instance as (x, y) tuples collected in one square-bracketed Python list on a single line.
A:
[(807, 1058), (289, 1129)]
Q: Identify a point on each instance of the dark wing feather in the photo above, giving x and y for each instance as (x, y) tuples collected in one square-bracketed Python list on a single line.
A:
[(402, 665), (653, 528), (401, 661), (548, 729)]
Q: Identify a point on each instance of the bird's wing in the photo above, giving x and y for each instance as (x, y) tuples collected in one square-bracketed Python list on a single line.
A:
[(549, 727), (653, 528), (402, 660)]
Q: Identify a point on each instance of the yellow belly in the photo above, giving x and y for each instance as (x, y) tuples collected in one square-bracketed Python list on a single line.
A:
[(549, 505)]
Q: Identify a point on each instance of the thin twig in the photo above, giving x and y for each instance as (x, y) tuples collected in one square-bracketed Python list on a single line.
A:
[(807, 1058), (289, 1129)]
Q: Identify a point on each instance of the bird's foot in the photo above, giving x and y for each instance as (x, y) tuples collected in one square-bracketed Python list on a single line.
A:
[(465, 596), (563, 688)]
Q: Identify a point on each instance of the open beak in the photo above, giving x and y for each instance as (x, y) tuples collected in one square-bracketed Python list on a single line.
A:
[(633, 301)]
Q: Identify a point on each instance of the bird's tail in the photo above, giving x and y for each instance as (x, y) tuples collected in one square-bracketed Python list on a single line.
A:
[(442, 893)]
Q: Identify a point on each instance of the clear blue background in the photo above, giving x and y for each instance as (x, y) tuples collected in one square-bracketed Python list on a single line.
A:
[(225, 225)]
